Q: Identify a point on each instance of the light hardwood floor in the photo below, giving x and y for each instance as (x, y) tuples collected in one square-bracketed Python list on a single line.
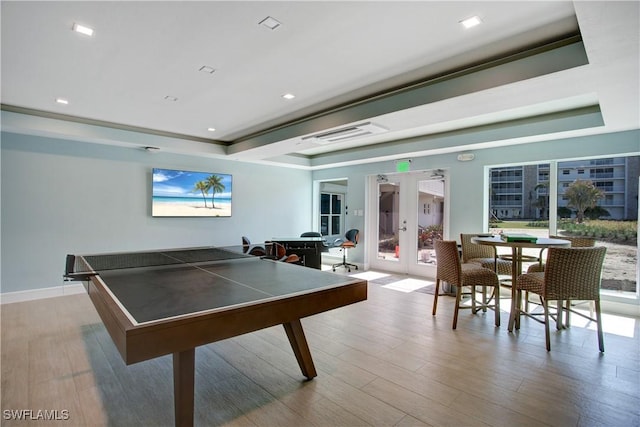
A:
[(383, 362)]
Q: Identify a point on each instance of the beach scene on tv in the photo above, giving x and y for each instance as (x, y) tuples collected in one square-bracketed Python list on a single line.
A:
[(188, 193)]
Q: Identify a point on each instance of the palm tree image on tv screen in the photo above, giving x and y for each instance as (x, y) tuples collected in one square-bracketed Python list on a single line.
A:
[(179, 193)]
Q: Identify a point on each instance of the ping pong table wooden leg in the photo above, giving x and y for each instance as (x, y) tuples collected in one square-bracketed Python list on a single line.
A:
[(300, 348), (183, 386)]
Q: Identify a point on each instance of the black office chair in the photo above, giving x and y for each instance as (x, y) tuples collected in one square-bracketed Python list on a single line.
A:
[(325, 245), (255, 250), (311, 234), (352, 237), (279, 252)]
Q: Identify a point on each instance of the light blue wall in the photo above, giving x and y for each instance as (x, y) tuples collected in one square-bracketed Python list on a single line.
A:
[(61, 197), (467, 179)]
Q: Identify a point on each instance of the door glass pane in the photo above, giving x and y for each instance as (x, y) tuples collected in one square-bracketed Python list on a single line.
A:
[(430, 218), (325, 203), (335, 225), (336, 203), (324, 225), (388, 205)]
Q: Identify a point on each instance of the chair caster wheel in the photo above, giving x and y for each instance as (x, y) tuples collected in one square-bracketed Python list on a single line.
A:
[(349, 270), (334, 269)]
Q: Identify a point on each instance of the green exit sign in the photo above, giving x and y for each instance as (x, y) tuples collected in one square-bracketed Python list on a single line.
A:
[(403, 165)]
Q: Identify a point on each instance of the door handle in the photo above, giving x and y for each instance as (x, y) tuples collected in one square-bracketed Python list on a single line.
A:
[(403, 228)]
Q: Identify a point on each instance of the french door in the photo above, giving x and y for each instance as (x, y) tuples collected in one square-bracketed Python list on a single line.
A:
[(409, 212)]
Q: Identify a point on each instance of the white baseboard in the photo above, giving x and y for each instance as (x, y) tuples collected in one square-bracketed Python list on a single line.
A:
[(33, 294), (623, 308)]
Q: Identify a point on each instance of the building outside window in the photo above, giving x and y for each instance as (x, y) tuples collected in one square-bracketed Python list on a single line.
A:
[(519, 192)]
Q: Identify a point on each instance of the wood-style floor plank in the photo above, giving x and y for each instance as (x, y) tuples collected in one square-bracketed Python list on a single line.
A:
[(383, 362)]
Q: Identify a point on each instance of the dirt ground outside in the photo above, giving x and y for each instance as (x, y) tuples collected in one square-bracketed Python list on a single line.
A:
[(620, 263)]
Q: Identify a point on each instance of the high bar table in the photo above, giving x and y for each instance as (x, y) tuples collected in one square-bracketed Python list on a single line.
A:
[(516, 258)]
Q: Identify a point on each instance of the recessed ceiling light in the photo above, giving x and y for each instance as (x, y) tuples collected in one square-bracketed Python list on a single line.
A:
[(62, 101), (82, 29), (211, 129), (170, 98), (270, 23), (207, 69), (288, 96), (471, 22)]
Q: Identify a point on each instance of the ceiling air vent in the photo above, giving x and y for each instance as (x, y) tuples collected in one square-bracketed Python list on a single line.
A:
[(345, 133)]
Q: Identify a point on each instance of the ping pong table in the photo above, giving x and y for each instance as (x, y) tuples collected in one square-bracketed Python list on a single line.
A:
[(163, 302)]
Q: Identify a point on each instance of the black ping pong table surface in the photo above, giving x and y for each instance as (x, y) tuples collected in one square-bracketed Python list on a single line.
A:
[(162, 302)]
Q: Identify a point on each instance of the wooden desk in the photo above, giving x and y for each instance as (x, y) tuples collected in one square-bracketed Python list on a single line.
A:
[(309, 249), (516, 254)]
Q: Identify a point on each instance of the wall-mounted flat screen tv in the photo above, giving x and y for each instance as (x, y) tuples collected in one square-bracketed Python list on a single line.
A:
[(179, 193)]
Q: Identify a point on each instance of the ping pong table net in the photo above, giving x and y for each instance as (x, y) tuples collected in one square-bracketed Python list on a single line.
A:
[(82, 267)]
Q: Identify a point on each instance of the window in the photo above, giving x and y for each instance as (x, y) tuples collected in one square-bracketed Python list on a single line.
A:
[(604, 185), (521, 201), (599, 173), (331, 214), (611, 217)]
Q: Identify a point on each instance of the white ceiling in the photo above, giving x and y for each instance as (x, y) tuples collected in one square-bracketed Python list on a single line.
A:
[(329, 54)]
